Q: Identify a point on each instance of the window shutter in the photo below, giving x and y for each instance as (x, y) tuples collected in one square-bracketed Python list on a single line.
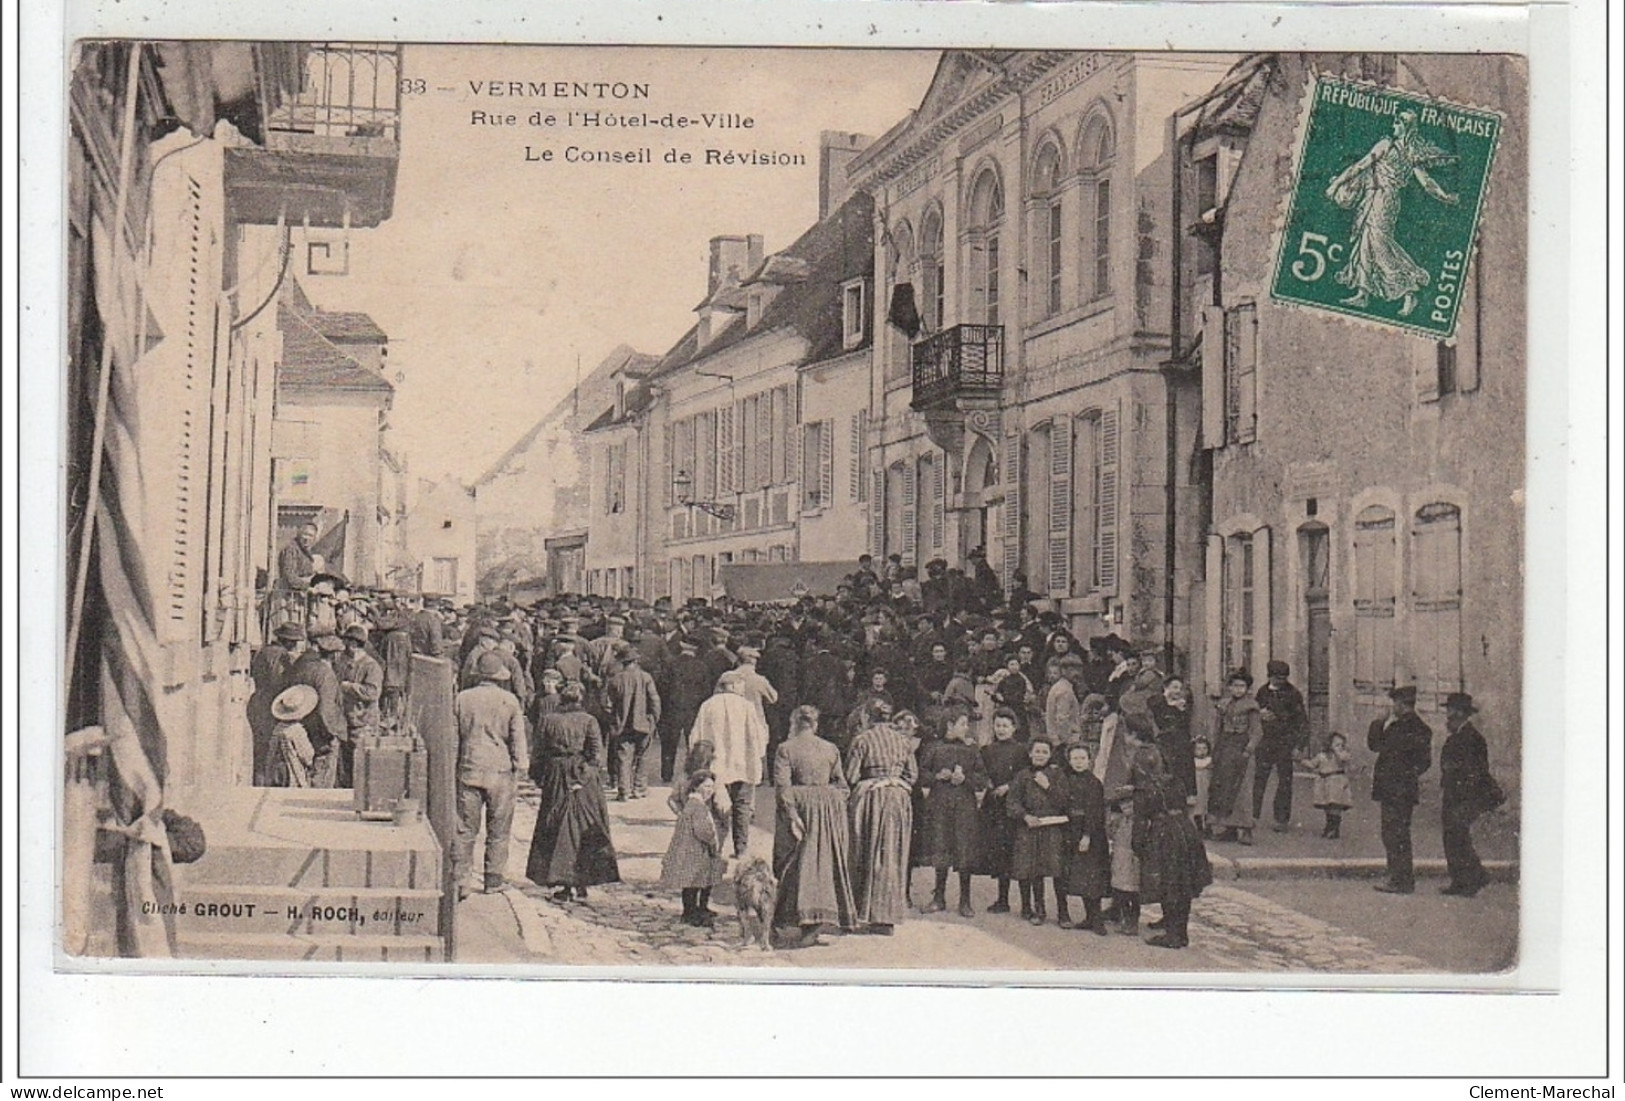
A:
[(910, 515), (877, 513), (705, 456), (1245, 321), (778, 438), (939, 501), (1012, 506), (1374, 603), (764, 442), (1059, 557), (826, 463), (1262, 640), (1213, 391), (1468, 350), (725, 449), (1436, 600), (855, 482), (1213, 604), (669, 458), (1106, 506), (1425, 368), (183, 581), (978, 278)]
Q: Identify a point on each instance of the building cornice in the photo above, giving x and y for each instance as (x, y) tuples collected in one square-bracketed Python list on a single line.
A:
[(911, 149)]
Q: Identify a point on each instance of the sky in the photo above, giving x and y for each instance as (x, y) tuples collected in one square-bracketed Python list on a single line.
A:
[(495, 273)]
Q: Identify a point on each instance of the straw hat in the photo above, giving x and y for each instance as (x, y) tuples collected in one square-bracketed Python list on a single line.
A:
[(294, 703)]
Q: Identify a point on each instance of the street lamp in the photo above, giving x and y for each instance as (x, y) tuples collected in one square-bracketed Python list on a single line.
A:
[(683, 484)]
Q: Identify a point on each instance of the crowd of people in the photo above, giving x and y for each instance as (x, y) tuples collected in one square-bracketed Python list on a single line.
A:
[(941, 725)]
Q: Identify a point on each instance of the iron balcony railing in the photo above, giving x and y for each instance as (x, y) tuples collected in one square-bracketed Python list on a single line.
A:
[(964, 361), (350, 90)]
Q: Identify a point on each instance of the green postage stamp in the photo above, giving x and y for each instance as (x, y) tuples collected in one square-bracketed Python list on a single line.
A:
[(1385, 205)]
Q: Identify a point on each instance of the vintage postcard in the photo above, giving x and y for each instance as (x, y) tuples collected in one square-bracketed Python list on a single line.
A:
[(949, 512)]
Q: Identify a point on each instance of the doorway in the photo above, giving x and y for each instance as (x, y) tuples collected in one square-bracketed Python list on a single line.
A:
[(1314, 560)]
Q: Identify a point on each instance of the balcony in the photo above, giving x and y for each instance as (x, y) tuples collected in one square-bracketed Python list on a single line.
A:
[(966, 361), (331, 149)]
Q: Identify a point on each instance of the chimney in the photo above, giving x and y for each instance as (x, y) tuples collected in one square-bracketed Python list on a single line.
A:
[(732, 259), (836, 150)]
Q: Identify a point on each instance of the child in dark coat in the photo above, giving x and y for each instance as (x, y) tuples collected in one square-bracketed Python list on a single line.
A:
[(1001, 760), (1037, 807), (952, 775), (1087, 870)]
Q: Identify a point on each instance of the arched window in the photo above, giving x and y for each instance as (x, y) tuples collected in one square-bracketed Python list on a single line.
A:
[(983, 226), (1375, 530), (932, 270), (1047, 241), (902, 256), (902, 297), (1096, 147)]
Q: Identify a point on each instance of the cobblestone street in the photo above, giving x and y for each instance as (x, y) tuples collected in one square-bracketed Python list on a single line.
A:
[(1235, 925)]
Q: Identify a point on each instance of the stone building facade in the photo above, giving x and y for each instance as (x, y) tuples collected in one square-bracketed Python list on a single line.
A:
[(1366, 513), (1018, 402)]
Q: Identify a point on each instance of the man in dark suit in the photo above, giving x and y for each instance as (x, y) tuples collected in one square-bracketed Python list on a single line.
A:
[(691, 683), (634, 715), (1403, 744), (1468, 790), (1286, 734)]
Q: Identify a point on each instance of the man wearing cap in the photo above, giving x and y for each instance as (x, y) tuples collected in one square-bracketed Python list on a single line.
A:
[(361, 681), (491, 754), (634, 714), (1403, 744), (1286, 735), (326, 725), (1468, 790), (427, 629), (269, 670)]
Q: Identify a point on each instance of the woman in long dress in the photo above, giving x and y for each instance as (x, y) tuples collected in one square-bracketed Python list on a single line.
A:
[(571, 848), (810, 838), (1240, 729), (1377, 263), (882, 766)]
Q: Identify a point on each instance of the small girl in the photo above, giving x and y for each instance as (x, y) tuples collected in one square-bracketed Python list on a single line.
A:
[(1203, 753), (694, 862), (699, 757), (1331, 769), (1038, 806), (1087, 867), (952, 777)]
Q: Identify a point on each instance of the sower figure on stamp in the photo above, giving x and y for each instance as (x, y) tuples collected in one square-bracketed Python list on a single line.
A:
[(1403, 744), (1372, 185), (1286, 734)]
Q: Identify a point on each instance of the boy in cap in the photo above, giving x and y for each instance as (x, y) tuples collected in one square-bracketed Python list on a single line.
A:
[(361, 681), (1403, 744)]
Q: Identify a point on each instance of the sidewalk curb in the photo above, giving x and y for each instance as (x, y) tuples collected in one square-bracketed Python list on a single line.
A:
[(1313, 867), (532, 930)]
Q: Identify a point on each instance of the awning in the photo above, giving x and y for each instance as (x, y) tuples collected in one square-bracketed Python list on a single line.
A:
[(782, 582)]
